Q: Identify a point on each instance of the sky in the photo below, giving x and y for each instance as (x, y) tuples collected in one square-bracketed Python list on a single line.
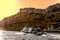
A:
[(11, 7)]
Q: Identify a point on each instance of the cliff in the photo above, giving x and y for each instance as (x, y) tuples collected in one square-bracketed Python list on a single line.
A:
[(46, 19)]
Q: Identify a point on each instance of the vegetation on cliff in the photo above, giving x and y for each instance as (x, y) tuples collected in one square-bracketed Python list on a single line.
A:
[(46, 19)]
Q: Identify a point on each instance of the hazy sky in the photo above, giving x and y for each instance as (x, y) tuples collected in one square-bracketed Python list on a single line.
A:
[(11, 7)]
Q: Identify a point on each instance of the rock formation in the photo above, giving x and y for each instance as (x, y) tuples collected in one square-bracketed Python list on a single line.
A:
[(47, 18)]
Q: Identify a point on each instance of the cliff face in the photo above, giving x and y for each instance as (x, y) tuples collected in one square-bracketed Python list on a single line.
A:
[(53, 12), (42, 18), (52, 16), (26, 16)]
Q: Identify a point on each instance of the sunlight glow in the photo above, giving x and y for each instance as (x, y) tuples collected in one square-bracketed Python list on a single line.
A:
[(38, 3), (8, 8), (11, 7), (19, 33), (1, 33)]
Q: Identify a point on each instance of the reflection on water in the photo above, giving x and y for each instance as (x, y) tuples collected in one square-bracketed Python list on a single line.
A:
[(7, 35), (14, 35), (1, 33)]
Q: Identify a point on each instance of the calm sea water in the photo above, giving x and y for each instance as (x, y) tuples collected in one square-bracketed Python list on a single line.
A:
[(14, 35)]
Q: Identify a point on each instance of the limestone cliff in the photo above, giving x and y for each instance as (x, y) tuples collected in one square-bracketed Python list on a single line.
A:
[(48, 18)]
